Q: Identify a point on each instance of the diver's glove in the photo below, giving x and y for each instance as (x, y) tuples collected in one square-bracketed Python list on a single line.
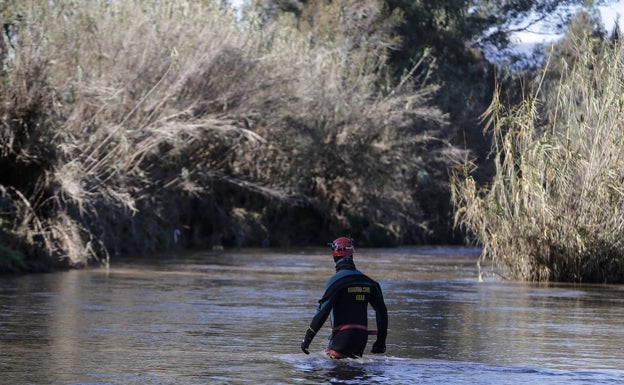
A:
[(379, 347), (305, 344)]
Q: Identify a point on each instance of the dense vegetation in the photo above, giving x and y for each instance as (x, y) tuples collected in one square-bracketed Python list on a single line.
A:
[(553, 211), (135, 127)]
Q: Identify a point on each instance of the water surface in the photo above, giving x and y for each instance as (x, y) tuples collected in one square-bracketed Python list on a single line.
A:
[(237, 317)]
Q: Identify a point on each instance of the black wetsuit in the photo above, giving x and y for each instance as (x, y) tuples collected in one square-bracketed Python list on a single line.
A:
[(346, 298)]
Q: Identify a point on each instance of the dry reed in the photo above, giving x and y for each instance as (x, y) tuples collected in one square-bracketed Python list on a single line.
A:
[(138, 120), (554, 209)]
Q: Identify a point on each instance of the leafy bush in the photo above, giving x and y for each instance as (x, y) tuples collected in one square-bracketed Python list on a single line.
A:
[(11, 261)]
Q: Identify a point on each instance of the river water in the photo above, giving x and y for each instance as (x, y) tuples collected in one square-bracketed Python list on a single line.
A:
[(237, 317)]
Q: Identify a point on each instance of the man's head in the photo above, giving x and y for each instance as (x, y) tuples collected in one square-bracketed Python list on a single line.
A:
[(341, 247)]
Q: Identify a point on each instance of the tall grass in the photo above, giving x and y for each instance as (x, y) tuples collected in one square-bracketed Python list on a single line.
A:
[(133, 126), (91, 91), (554, 210)]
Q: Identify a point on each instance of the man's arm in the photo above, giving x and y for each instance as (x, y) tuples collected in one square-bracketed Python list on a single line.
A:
[(317, 322), (381, 316)]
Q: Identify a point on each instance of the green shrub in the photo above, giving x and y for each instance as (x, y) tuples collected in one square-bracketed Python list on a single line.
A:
[(11, 261)]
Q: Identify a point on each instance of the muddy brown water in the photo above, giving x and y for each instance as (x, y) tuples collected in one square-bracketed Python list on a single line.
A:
[(237, 317)]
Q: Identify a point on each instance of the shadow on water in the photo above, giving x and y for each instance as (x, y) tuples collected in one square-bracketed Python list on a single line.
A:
[(237, 317)]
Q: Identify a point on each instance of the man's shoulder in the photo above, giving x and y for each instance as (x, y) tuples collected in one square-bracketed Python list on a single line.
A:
[(343, 274), (350, 276)]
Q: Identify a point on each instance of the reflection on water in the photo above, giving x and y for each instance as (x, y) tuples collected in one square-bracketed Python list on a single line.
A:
[(238, 317)]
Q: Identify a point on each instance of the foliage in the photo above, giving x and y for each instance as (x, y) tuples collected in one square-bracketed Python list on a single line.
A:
[(554, 209), (11, 261), (136, 127), (460, 37)]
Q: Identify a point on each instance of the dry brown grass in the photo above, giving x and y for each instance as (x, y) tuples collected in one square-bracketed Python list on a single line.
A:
[(139, 118), (554, 210)]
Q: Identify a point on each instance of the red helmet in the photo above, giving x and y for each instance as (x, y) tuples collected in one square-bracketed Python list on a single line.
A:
[(342, 246)]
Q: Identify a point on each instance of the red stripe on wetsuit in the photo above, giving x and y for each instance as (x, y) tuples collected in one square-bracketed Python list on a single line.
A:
[(353, 327)]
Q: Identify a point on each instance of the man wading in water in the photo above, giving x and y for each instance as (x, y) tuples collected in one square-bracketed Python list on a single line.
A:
[(346, 298)]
